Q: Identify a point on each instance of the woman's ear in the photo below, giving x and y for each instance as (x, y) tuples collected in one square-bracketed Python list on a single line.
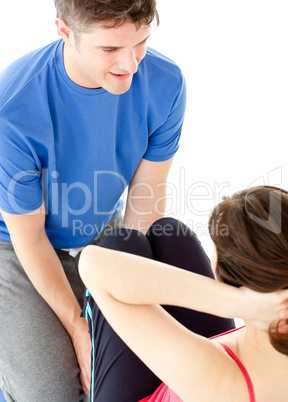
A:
[(64, 31)]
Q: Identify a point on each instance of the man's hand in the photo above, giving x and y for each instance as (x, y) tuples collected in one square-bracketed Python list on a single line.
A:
[(82, 345)]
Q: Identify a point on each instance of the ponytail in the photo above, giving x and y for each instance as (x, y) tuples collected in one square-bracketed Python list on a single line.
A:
[(279, 341)]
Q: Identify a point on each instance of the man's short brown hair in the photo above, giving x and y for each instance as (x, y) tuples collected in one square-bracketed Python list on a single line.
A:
[(80, 15)]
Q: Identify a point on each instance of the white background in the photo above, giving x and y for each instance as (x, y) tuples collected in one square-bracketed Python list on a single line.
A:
[(234, 58)]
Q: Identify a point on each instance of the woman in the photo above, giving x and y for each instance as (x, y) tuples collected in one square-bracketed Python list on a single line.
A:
[(250, 232)]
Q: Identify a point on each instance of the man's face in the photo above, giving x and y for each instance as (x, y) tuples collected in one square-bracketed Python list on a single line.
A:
[(106, 57)]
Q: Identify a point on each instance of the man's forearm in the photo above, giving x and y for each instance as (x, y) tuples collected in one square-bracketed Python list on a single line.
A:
[(146, 201), (141, 213), (46, 273), (140, 221)]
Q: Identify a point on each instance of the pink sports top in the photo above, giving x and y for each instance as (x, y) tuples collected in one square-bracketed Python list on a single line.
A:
[(165, 394), (244, 371), (162, 394)]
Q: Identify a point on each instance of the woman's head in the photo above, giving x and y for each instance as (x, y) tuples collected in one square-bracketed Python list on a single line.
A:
[(250, 233)]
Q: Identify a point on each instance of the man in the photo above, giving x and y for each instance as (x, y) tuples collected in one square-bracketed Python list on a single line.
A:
[(80, 119)]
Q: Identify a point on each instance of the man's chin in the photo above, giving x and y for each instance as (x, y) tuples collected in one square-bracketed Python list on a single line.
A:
[(117, 85), (118, 89)]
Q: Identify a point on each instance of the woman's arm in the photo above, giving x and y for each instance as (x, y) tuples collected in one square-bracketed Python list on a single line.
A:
[(136, 280)]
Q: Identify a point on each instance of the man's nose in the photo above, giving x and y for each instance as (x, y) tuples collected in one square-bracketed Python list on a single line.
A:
[(128, 61)]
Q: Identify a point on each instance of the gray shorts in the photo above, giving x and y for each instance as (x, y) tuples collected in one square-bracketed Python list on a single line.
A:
[(37, 358)]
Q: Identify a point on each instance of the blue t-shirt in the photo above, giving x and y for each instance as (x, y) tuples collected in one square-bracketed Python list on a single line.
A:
[(77, 148)]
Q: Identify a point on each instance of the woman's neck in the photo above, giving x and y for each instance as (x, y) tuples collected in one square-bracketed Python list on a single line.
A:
[(255, 348), (257, 340), (265, 365)]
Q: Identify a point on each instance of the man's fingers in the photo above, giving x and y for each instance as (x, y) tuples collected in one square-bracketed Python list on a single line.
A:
[(85, 375), (85, 382)]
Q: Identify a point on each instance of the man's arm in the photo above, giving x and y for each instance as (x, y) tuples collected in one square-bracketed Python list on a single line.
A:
[(146, 201), (46, 273)]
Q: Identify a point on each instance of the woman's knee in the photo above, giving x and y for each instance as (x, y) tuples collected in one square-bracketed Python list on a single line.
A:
[(128, 240), (169, 227), (175, 243)]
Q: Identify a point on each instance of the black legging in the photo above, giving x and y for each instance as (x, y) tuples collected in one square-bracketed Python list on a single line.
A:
[(117, 373)]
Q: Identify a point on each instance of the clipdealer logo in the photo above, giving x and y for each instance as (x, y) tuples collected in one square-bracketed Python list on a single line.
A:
[(183, 198)]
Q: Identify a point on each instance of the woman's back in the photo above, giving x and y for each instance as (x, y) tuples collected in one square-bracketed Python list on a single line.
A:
[(266, 367), (252, 370)]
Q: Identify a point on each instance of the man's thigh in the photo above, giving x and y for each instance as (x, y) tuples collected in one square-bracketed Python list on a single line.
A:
[(37, 359)]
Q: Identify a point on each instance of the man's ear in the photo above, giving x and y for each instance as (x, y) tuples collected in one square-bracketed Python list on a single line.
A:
[(64, 31)]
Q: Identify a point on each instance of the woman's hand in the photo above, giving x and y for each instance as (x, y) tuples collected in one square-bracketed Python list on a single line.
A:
[(266, 308)]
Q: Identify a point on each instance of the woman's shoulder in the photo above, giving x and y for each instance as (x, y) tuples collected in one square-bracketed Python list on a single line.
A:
[(230, 338), (259, 374)]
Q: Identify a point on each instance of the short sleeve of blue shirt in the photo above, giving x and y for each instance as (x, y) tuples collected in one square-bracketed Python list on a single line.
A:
[(169, 101), (19, 174)]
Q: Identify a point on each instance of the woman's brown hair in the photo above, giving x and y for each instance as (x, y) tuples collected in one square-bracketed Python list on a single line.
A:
[(250, 232), (80, 15)]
